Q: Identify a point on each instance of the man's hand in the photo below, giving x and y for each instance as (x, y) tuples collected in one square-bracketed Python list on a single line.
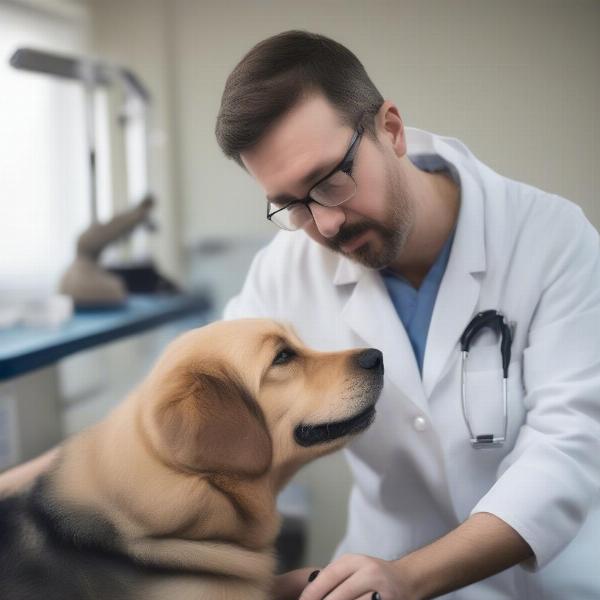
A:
[(289, 586), (478, 548), (359, 577)]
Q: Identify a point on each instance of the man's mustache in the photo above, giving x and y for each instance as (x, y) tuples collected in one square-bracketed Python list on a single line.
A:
[(347, 234)]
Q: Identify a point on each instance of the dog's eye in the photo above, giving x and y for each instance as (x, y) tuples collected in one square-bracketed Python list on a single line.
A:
[(284, 356)]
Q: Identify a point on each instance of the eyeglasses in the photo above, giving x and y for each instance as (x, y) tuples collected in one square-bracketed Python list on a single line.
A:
[(334, 189)]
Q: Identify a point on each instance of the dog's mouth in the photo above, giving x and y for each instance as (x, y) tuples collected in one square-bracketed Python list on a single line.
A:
[(309, 435)]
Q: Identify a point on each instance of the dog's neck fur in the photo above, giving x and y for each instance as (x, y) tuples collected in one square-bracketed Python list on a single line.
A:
[(110, 472)]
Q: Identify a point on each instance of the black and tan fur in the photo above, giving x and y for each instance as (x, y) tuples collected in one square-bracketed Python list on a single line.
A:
[(173, 495)]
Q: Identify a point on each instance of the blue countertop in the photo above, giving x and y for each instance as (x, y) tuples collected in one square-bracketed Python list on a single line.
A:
[(23, 349)]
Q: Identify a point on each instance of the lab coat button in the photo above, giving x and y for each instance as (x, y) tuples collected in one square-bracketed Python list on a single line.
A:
[(420, 424)]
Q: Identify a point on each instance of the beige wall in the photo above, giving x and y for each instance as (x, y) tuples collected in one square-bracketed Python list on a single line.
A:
[(517, 80)]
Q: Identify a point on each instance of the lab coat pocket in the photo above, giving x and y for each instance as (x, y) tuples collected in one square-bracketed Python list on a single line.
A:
[(484, 396), (484, 358)]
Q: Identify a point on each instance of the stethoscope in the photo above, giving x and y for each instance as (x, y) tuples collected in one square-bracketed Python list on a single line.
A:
[(494, 320)]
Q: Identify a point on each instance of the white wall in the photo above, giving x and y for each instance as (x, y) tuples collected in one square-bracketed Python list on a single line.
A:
[(517, 80)]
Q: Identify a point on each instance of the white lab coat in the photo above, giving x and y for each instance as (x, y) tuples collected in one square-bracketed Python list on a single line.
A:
[(531, 255)]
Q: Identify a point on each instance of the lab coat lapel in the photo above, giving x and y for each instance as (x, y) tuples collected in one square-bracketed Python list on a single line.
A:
[(380, 327), (459, 290)]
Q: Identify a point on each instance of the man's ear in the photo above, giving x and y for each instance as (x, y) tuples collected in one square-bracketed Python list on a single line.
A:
[(212, 424), (389, 125)]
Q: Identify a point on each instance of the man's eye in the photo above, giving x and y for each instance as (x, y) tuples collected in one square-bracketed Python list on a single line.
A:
[(284, 356)]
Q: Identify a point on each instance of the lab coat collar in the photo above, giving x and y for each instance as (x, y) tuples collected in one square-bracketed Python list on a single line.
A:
[(459, 290), (348, 271), (472, 253), (458, 293), (469, 243), (369, 312)]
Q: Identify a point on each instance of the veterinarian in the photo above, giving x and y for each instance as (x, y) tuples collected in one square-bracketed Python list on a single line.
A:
[(399, 239)]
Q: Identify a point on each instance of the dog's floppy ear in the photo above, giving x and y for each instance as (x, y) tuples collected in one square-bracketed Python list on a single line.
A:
[(211, 423)]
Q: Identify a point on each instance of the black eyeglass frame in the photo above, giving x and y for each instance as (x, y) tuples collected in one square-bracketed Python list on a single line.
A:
[(345, 165)]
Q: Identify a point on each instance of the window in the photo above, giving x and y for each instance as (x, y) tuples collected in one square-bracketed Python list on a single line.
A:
[(44, 180)]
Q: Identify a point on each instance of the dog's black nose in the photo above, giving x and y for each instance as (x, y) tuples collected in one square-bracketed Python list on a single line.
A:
[(371, 359)]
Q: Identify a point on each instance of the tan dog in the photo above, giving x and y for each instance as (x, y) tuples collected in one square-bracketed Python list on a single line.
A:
[(173, 495)]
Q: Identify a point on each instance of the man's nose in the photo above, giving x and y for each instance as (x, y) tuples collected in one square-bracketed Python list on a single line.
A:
[(328, 219)]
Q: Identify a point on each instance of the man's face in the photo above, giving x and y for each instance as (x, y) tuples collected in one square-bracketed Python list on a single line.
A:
[(371, 227)]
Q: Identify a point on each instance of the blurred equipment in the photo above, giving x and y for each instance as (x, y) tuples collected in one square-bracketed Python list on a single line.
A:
[(89, 284)]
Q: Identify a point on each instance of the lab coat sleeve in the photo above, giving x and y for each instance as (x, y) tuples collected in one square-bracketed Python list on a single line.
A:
[(549, 481), (252, 300)]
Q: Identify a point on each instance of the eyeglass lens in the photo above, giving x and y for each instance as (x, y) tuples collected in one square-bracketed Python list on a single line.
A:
[(333, 191)]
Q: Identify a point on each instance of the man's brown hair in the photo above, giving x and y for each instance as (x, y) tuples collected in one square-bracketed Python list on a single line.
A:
[(277, 73)]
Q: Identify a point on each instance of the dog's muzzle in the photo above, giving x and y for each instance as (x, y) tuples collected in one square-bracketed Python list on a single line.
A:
[(308, 435)]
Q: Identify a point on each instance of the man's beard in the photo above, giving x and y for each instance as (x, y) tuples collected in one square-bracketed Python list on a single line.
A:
[(388, 240)]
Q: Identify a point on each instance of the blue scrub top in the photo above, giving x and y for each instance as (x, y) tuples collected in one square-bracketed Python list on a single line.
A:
[(415, 307)]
